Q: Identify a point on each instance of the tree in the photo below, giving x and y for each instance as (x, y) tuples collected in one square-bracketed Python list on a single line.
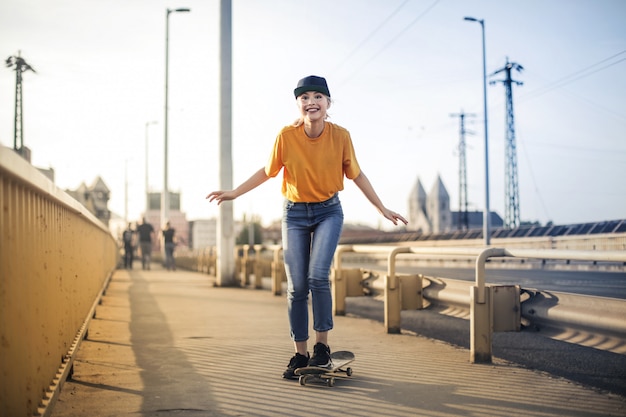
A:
[(253, 230)]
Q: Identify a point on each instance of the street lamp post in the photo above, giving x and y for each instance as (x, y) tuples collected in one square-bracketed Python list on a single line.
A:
[(165, 197), (486, 214), (147, 185)]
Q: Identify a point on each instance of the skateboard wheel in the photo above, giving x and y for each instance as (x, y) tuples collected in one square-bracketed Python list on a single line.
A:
[(302, 380), (330, 382), (349, 371)]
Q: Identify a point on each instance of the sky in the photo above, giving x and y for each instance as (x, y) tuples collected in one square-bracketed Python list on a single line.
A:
[(398, 70)]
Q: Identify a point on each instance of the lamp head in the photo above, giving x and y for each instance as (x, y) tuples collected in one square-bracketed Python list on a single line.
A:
[(180, 9), (473, 19)]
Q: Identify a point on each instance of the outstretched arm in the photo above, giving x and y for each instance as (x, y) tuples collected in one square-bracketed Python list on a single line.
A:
[(366, 187), (251, 183)]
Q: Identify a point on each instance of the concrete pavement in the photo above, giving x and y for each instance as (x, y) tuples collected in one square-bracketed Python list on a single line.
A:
[(169, 343)]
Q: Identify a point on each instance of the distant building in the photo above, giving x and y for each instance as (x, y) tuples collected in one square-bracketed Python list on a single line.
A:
[(418, 212), (203, 233), (475, 220), (438, 204), (431, 213), (95, 198), (117, 225)]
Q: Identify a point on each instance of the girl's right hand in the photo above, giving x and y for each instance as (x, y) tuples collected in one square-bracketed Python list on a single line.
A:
[(220, 196)]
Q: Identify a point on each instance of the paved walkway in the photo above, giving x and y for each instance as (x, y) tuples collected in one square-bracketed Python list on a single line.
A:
[(169, 343)]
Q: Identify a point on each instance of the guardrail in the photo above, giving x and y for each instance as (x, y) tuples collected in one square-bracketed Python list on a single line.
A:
[(483, 299), (55, 261)]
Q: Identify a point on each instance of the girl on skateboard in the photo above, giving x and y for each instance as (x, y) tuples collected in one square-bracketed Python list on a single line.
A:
[(314, 155)]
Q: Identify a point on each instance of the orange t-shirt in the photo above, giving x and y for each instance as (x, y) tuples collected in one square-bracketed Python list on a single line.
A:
[(313, 168)]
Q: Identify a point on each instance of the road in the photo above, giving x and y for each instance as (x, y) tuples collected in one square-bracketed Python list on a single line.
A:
[(595, 283)]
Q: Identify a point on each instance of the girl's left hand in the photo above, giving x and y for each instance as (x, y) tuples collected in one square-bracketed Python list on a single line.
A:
[(394, 217)]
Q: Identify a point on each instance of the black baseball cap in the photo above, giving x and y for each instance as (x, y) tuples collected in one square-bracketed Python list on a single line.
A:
[(312, 83)]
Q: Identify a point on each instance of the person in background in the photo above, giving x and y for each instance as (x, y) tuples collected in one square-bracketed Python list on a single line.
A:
[(128, 239), (146, 237), (169, 240), (314, 156)]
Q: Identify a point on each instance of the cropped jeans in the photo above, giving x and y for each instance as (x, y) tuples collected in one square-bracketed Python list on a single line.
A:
[(310, 234)]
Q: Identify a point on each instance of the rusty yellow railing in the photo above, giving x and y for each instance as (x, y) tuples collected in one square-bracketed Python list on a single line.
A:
[(55, 259)]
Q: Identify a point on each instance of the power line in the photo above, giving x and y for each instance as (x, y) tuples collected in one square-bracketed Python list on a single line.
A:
[(414, 21), (371, 34), (569, 147), (538, 194), (575, 76)]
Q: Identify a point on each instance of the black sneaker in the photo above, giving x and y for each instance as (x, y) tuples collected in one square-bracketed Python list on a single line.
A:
[(321, 356), (297, 361)]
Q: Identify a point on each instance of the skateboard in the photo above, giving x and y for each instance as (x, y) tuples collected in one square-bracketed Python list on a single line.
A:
[(327, 375)]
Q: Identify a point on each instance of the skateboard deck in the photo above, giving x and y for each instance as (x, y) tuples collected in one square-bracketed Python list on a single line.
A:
[(327, 375)]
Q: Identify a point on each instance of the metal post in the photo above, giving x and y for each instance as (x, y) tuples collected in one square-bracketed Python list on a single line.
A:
[(165, 197), (164, 193), (393, 301), (486, 214), (225, 274), (146, 162), (125, 193), (481, 311)]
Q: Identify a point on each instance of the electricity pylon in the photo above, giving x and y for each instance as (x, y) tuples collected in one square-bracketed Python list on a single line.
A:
[(511, 195), (20, 66), (463, 213)]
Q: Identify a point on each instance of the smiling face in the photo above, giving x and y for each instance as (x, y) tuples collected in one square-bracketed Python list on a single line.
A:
[(313, 106)]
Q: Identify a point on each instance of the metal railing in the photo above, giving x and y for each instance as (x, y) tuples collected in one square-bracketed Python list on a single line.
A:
[(55, 261), (481, 297)]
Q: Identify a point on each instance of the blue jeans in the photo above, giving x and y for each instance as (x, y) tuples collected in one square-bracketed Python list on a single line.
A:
[(310, 234)]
